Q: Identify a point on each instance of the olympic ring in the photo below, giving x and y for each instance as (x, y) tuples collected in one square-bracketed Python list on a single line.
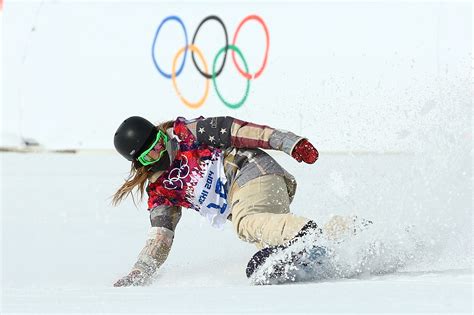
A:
[(267, 40), (176, 175), (242, 101), (174, 74), (195, 50), (216, 18), (169, 18)]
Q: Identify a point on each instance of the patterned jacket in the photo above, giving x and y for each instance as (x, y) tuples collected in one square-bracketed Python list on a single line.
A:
[(243, 161)]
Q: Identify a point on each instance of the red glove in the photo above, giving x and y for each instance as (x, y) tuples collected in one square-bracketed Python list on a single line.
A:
[(305, 151)]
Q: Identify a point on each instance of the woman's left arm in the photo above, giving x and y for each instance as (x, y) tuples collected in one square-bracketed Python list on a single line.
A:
[(225, 132)]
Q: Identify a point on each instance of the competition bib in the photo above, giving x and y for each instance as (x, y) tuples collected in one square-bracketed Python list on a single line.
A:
[(210, 192)]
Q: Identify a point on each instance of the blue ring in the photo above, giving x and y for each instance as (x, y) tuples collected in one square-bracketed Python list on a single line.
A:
[(177, 19)]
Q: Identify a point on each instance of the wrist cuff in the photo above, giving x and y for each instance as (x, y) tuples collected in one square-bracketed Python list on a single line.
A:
[(146, 265), (284, 141)]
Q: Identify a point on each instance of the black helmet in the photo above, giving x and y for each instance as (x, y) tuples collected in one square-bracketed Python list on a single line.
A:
[(132, 136)]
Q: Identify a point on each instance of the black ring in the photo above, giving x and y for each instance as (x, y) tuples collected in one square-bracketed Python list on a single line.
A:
[(218, 19)]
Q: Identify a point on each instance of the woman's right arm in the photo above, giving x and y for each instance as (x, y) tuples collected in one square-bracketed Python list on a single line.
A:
[(160, 238)]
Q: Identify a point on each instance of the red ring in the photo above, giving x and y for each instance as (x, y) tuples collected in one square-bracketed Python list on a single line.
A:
[(247, 75)]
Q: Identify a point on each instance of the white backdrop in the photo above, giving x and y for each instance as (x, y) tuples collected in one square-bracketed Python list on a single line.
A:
[(351, 76)]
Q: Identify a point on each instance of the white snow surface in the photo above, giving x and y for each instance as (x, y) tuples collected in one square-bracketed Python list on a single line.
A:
[(63, 245)]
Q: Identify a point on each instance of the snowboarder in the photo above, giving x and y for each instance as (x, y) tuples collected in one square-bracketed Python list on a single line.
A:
[(215, 166)]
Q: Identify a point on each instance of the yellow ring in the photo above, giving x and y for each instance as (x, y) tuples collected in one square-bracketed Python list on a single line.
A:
[(173, 77)]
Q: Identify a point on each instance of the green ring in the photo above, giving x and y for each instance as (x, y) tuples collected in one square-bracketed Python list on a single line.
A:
[(242, 101)]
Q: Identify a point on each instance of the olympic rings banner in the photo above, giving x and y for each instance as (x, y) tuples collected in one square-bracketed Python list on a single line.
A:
[(193, 48)]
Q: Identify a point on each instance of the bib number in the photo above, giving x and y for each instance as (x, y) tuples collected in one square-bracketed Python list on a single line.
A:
[(221, 190)]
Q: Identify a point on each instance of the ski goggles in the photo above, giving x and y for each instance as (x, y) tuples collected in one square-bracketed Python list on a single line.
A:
[(155, 151)]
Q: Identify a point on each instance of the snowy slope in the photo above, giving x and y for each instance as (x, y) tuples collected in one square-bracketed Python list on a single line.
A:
[(64, 245)]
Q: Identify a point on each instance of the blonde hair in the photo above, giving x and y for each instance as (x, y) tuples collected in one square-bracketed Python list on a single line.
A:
[(137, 177)]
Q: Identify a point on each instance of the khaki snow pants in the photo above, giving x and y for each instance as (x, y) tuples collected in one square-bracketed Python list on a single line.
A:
[(261, 211)]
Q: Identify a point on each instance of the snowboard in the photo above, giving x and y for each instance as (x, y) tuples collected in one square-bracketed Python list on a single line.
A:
[(306, 258), (276, 265)]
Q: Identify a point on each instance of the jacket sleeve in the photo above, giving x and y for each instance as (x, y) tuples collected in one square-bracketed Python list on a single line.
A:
[(160, 238), (225, 132)]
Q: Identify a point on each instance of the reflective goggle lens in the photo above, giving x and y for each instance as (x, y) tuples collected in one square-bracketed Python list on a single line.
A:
[(155, 151)]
